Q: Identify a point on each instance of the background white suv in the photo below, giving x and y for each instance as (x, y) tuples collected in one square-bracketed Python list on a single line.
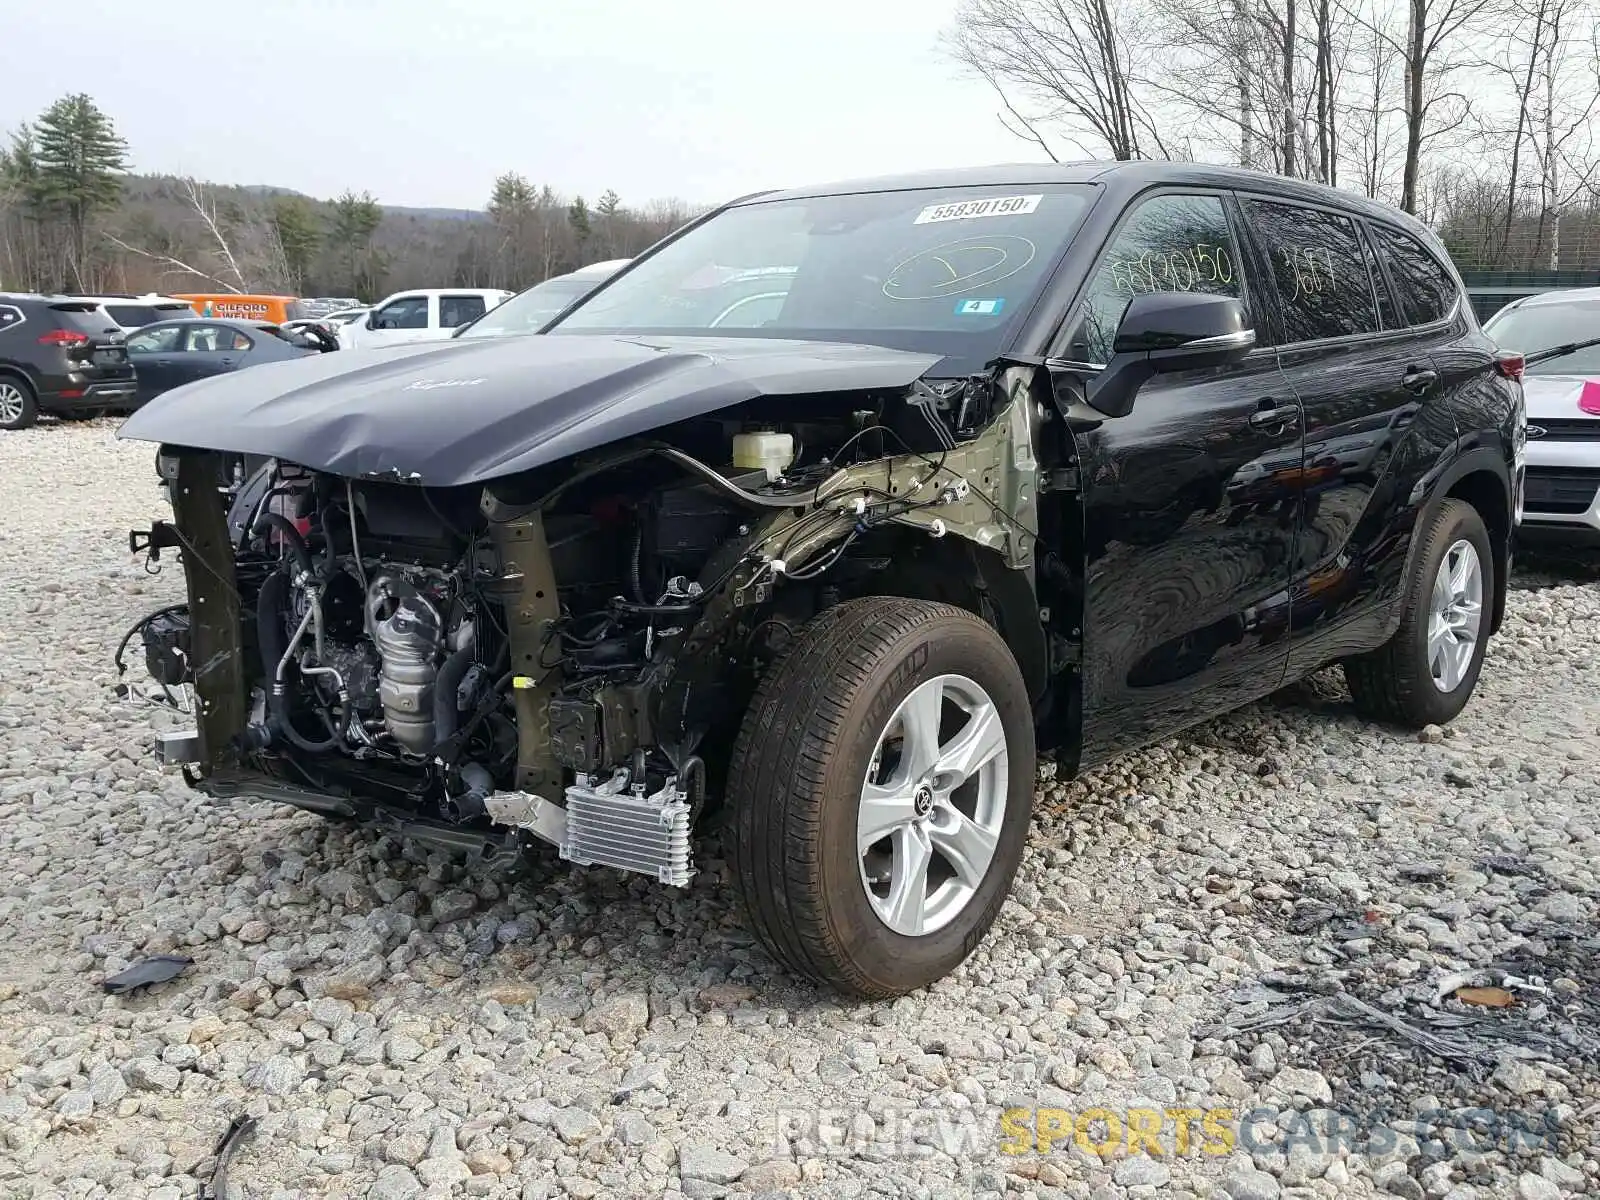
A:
[(134, 312), (418, 315)]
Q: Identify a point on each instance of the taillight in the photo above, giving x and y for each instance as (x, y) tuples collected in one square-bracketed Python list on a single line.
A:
[(1509, 365), (64, 337)]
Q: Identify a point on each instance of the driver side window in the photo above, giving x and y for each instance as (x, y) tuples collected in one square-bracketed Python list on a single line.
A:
[(408, 312), (1168, 244)]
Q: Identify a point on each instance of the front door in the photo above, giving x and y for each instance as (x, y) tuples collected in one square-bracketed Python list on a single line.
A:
[(403, 319), (1188, 528)]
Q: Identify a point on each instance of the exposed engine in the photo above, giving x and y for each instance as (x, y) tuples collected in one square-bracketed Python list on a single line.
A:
[(552, 655)]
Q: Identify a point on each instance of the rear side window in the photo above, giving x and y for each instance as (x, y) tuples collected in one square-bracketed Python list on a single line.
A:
[(1427, 292), (458, 310), (1167, 244), (132, 316), (1320, 268), (84, 318), (9, 316)]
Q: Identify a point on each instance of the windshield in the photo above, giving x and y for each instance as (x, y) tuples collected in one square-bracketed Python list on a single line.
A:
[(941, 271), (530, 311), (1531, 328)]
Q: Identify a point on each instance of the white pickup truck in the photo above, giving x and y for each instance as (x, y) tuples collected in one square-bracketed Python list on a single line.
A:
[(419, 314)]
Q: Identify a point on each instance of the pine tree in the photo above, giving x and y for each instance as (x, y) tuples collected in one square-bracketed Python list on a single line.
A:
[(77, 161), (355, 221), (299, 234)]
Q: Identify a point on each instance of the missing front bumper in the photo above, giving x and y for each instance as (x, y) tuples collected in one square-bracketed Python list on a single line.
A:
[(602, 825)]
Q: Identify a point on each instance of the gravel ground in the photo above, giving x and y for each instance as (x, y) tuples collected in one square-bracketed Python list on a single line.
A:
[(1259, 917)]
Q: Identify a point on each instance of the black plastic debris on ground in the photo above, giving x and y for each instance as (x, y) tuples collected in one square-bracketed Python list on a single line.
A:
[(161, 968), (240, 1128)]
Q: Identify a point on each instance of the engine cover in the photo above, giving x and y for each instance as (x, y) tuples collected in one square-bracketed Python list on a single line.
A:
[(409, 634)]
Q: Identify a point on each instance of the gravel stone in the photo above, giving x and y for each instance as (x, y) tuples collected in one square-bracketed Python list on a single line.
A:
[(1142, 1172), (152, 1075), (394, 1183), (1536, 1187), (697, 1160), (398, 1018), (106, 1085), (625, 1014), (1247, 1183)]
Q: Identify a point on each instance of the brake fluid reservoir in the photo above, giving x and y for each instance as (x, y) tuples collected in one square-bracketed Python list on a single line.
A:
[(769, 452)]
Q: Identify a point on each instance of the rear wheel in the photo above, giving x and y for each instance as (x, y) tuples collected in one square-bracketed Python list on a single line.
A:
[(881, 789), (1426, 673), (19, 408)]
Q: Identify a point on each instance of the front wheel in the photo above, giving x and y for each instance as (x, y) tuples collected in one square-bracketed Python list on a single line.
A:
[(881, 788), (1425, 674)]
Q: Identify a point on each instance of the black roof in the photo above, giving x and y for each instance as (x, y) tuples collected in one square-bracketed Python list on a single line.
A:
[(1122, 178)]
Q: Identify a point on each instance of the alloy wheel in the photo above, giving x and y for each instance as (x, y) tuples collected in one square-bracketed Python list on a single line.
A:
[(933, 805), (1455, 615), (11, 402)]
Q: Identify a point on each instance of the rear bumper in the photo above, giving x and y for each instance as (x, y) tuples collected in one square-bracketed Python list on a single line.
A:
[(81, 391)]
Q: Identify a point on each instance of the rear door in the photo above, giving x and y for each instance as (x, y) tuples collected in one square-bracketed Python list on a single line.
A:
[(1360, 379), (1188, 536), (458, 308)]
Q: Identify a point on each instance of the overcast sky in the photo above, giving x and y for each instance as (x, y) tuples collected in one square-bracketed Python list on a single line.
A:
[(424, 102)]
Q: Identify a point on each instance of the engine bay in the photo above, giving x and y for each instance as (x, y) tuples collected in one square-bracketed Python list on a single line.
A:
[(565, 655)]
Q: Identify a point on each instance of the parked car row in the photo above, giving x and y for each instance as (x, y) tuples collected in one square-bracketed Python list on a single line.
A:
[(79, 356), (71, 358)]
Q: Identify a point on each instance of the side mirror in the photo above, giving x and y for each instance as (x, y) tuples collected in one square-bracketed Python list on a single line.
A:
[(1169, 331)]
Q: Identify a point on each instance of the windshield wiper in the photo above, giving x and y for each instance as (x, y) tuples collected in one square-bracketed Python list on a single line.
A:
[(1533, 360)]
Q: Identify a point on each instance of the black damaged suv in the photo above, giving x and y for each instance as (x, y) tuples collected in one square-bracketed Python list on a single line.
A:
[(831, 509), (61, 356)]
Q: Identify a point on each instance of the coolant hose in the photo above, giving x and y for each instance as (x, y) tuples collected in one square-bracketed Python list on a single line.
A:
[(469, 805), (273, 642), (291, 537), (446, 684)]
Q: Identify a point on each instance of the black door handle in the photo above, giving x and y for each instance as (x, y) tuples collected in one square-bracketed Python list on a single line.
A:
[(1419, 380), (1272, 415)]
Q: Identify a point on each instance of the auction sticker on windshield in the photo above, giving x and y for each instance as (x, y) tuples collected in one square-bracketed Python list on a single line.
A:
[(965, 210)]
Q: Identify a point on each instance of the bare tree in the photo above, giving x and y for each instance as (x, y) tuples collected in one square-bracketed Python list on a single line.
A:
[(1433, 39), (1069, 63), (1285, 62), (235, 247)]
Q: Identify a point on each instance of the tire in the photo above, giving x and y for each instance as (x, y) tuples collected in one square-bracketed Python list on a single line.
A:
[(1399, 683), (19, 407), (796, 780)]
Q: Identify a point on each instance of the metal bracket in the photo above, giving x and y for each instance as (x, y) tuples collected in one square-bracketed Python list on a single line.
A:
[(524, 810), (179, 748)]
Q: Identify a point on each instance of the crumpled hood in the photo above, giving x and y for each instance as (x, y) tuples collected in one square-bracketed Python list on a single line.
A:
[(1553, 396), (466, 411)]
